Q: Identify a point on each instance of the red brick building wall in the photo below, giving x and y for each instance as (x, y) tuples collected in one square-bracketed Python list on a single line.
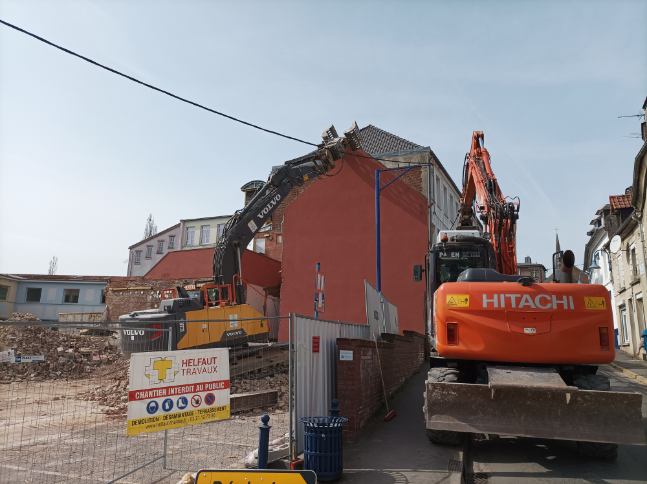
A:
[(274, 237), (359, 388), (332, 221)]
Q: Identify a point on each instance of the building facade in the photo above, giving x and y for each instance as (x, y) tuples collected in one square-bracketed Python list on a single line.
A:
[(442, 190), (8, 289), (146, 253), (46, 296), (597, 258), (342, 242), (202, 232), (532, 269)]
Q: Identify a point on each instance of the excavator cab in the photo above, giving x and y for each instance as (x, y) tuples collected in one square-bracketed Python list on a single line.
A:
[(456, 252), (216, 295)]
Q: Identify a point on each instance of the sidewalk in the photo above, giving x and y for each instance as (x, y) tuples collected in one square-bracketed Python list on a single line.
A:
[(399, 451), (636, 369)]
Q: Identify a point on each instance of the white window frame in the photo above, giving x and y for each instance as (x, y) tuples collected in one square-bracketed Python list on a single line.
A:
[(190, 236), (220, 228), (137, 257), (624, 325), (171, 242), (446, 206), (6, 294), (149, 252), (205, 231), (160, 246)]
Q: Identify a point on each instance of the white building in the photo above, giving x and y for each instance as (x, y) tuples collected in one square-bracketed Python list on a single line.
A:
[(202, 232), (148, 252), (597, 261)]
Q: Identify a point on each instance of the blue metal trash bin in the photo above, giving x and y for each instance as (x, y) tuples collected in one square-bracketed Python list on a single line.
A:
[(322, 450), (644, 337)]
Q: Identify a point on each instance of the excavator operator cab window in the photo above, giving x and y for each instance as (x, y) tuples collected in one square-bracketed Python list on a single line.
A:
[(454, 260), (213, 294), (218, 295)]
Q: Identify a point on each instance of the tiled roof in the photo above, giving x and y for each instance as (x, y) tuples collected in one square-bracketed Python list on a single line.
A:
[(620, 201), (376, 141), (259, 269)]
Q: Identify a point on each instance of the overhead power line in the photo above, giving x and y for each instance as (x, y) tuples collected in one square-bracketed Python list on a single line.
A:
[(151, 86), (183, 99)]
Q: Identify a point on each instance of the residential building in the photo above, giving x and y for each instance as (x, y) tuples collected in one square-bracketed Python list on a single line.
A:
[(629, 262), (46, 296), (8, 290), (146, 253), (202, 232), (332, 223), (381, 144), (532, 269), (597, 259)]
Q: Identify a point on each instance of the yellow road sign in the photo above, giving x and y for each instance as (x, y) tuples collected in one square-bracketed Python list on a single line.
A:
[(458, 301), (595, 303), (255, 476)]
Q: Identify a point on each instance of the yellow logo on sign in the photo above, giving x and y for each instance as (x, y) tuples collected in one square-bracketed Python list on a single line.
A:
[(161, 370), (256, 477), (458, 301), (595, 303)]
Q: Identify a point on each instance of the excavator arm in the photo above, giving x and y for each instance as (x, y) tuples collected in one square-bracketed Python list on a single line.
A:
[(482, 194), (245, 223)]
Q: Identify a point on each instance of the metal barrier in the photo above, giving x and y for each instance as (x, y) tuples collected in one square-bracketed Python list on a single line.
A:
[(63, 402)]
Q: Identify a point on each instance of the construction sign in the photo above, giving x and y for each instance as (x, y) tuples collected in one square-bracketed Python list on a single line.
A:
[(249, 476), (173, 389)]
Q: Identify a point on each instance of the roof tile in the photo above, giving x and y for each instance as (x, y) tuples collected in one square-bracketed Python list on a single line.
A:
[(620, 201)]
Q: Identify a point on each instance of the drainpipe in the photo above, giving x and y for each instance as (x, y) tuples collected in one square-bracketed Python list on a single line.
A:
[(430, 242)]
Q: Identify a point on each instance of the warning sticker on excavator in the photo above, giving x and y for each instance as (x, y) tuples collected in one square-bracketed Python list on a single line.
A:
[(595, 303), (254, 476), (458, 301)]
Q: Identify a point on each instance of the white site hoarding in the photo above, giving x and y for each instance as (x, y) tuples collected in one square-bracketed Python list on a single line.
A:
[(172, 389)]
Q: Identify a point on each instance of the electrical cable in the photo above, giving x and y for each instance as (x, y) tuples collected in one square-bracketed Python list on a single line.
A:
[(185, 100), (151, 86)]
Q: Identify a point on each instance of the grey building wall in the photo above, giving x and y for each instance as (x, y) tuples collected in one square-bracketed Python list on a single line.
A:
[(52, 302), (159, 245)]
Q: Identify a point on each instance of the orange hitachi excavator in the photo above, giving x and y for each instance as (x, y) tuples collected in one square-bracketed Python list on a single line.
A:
[(510, 355)]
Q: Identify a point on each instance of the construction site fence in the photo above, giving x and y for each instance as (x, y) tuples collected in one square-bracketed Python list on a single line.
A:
[(64, 397)]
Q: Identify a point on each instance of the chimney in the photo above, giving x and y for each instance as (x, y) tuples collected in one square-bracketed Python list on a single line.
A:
[(527, 260)]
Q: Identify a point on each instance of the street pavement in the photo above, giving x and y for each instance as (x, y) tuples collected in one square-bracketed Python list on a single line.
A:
[(535, 461), (399, 451)]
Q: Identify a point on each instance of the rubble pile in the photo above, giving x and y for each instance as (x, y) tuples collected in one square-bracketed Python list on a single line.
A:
[(277, 381), (23, 317), (67, 356), (112, 391)]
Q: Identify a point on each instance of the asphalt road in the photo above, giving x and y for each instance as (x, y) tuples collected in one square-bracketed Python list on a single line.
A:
[(513, 460)]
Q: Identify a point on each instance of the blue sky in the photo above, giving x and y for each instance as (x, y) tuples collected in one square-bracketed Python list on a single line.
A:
[(85, 156)]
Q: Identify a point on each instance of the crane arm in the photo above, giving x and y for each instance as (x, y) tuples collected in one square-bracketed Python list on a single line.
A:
[(245, 223), (499, 214)]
